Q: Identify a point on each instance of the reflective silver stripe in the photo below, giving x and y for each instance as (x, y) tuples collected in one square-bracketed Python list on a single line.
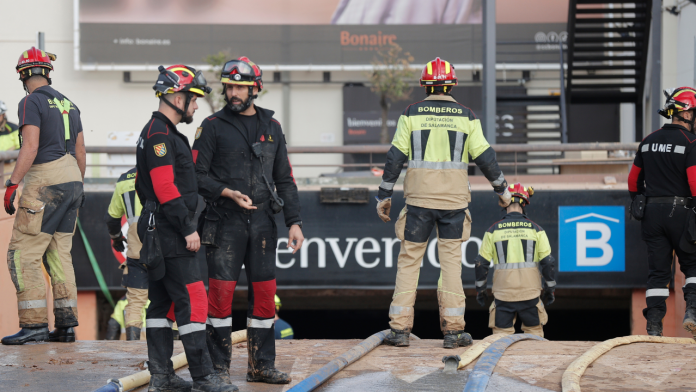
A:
[(530, 251), (158, 323), (219, 323), (657, 293), (458, 147), (129, 207), (254, 323), (419, 164), (401, 310), (65, 303), (516, 265), (646, 148), (387, 185), (481, 283), (501, 254), (551, 283), (689, 280), (499, 180), (189, 328), (417, 148), (453, 312), (39, 303), (133, 220)]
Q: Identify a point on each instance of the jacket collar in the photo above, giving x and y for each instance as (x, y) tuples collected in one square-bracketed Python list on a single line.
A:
[(160, 116), (264, 116), (515, 215), (440, 98), (675, 126)]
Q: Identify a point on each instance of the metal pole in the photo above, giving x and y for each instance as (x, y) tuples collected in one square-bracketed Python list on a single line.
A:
[(656, 97), (285, 78), (489, 98), (564, 121), (41, 40)]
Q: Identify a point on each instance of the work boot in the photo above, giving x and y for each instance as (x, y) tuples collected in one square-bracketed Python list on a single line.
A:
[(654, 327), (398, 338), (454, 339), (690, 320), (132, 333), (113, 330), (63, 335), (168, 383), (269, 376), (224, 374), (39, 334), (212, 383)]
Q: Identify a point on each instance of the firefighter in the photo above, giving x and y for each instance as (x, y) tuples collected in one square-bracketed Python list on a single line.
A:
[(125, 202), (245, 177), (436, 137), (166, 185), (52, 164), (283, 329), (9, 132), (117, 322), (664, 172), (517, 248)]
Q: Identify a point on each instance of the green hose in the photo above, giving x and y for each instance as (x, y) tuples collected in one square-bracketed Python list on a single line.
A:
[(95, 266)]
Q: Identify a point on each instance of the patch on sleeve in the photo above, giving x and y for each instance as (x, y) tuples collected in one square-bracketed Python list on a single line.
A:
[(199, 130), (160, 149)]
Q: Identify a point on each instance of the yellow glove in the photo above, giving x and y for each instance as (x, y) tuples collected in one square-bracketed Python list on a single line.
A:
[(384, 208)]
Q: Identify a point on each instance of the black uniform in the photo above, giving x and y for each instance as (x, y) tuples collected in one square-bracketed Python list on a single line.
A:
[(664, 170), (235, 236), (166, 185)]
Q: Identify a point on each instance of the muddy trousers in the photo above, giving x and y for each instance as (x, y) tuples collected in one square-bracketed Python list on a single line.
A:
[(413, 228), (249, 240), (661, 234), (42, 233), (503, 315), (135, 281), (179, 295)]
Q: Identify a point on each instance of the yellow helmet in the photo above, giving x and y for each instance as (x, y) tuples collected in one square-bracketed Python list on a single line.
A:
[(278, 304)]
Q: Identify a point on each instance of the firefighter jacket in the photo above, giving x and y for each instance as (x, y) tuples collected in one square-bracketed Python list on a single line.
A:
[(517, 248), (9, 137), (125, 202), (224, 159), (166, 177), (436, 136)]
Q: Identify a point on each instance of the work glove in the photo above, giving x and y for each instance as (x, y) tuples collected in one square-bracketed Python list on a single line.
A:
[(119, 243), (383, 209), (548, 296), (10, 193), (482, 298), (504, 198)]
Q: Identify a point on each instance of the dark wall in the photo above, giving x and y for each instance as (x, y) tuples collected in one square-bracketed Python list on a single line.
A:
[(594, 123)]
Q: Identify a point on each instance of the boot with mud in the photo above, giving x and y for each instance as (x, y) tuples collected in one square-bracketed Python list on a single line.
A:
[(224, 374), (63, 335), (454, 339), (398, 338), (25, 335), (132, 333), (269, 376), (168, 383), (212, 383), (654, 325), (690, 320)]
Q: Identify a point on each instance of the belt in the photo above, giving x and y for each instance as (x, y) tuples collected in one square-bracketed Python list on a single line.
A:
[(674, 200), (231, 205)]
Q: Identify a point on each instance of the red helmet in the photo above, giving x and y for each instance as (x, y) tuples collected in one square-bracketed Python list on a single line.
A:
[(35, 62), (242, 71), (678, 100), (180, 78), (438, 73), (521, 193)]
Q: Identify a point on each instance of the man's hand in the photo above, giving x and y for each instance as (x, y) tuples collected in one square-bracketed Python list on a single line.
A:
[(548, 296), (504, 198), (241, 199), (10, 193), (295, 238), (193, 242), (482, 297), (119, 243), (383, 209)]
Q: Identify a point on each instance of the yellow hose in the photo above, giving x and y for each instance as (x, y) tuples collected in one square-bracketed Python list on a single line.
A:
[(142, 378), (474, 351), (571, 377)]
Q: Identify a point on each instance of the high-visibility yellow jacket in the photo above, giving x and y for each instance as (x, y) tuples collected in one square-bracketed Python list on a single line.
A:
[(436, 137), (9, 137), (517, 248), (125, 201)]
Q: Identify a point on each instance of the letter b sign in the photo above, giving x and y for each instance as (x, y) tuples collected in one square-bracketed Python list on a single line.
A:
[(591, 238)]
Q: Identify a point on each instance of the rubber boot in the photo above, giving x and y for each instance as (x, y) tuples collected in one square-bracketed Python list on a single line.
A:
[(398, 338), (654, 322), (690, 321), (269, 376), (25, 335), (113, 330), (63, 335), (454, 339), (132, 333), (168, 383), (212, 383)]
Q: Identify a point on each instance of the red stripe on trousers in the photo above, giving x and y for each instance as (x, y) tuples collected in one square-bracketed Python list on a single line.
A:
[(633, 179), (199, 302), (163, 182), (264, 301), (220, 298)]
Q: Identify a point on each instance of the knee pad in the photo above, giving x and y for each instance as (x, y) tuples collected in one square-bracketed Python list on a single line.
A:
[(264, 298), (220, 294)]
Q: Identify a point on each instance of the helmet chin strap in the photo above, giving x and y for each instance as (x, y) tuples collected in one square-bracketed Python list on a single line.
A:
[(690, 122), (184, 118), (245, 105)]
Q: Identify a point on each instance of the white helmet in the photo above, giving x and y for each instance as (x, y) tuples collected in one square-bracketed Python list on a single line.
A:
[(3, 108)]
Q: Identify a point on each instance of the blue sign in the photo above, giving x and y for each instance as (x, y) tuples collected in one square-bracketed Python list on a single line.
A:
[(591, 238)]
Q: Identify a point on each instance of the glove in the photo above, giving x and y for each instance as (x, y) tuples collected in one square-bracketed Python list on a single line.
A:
[(10, 194), (504, 198), (482, 298), (118, 243), (548, 297), (383, 209)]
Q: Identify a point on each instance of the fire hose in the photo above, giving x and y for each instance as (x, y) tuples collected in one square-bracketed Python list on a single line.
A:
[(142, 378)]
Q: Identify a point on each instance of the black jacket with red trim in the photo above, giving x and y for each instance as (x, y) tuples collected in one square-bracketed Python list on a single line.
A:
[(224, 159), (665, 164), (165, 173)]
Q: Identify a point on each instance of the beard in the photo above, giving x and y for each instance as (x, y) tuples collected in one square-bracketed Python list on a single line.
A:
[(236, 105)]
